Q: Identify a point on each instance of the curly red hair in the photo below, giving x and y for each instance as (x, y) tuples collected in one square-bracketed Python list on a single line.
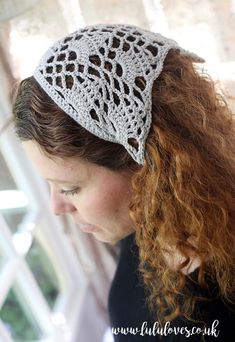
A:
[(185, 193)]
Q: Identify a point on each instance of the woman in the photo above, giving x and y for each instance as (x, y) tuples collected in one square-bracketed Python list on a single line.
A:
[(138, 146)]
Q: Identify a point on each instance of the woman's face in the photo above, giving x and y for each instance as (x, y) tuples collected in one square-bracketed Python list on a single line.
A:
[(96, 197)]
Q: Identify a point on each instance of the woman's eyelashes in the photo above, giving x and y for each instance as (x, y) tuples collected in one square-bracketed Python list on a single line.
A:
[(69, 192)]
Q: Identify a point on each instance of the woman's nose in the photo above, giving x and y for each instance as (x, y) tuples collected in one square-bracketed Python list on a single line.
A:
[(59, 204)]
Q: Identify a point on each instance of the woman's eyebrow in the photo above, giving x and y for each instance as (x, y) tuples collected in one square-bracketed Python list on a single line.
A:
[(60, 181)]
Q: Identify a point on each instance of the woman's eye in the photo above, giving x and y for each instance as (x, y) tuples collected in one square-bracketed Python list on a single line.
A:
[(69, 192)]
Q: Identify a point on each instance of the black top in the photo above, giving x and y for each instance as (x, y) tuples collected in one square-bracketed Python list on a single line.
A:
[(127, 309)]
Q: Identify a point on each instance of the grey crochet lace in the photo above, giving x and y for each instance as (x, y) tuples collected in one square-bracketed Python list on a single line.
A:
[(102, 76)]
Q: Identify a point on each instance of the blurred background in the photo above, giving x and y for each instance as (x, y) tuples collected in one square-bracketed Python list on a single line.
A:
[(54, 279)]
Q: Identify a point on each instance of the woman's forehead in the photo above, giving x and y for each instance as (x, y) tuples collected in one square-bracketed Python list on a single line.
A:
[(56, 169)]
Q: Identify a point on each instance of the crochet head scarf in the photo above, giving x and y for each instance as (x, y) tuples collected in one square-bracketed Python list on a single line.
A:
[(102, 76)]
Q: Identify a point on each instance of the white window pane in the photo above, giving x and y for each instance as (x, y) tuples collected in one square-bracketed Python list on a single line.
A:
[(44, 272), (3, 259), (18, 319), (13, 201)]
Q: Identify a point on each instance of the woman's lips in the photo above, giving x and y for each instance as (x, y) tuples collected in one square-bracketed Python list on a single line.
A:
[(87, 228)]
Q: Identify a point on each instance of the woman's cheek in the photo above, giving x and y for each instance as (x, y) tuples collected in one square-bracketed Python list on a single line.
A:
[(90, 206), (99, 205)]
